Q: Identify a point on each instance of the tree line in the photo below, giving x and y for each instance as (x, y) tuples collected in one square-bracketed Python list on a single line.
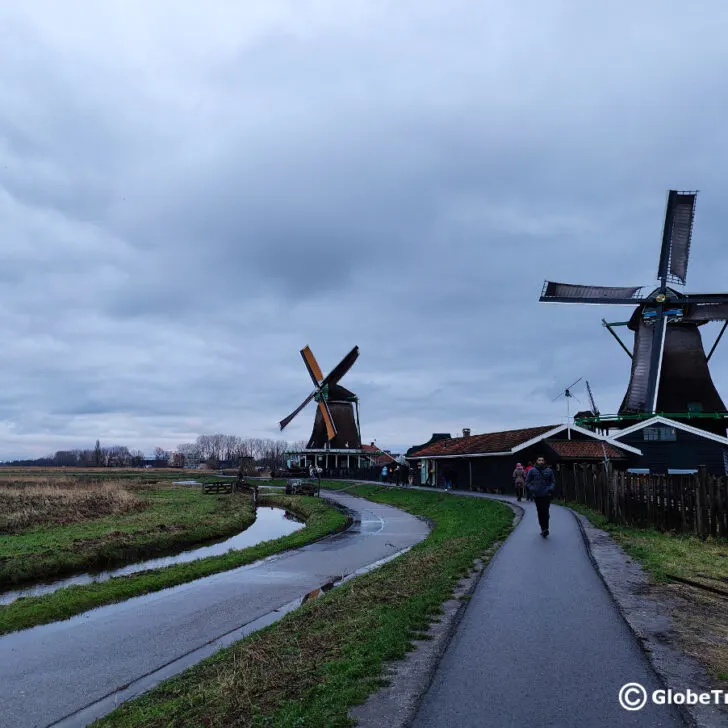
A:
[(210, 449)]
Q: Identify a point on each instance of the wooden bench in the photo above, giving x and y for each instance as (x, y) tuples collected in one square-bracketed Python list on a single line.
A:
[(216, 488)]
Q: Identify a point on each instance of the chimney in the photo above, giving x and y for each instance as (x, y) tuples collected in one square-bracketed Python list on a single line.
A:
[(466, 432), (373, 445)]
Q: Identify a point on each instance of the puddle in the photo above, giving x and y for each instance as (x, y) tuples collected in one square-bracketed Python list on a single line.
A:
[(270, 523)]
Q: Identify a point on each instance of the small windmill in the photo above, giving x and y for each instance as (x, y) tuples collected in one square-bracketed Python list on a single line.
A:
[(337, 416), (567, 395), (669, 366)]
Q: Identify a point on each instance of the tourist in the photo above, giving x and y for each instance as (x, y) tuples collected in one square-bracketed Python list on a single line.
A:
[(540, 481), (397, 476), (519, 480), (528, 467), (384, 474)]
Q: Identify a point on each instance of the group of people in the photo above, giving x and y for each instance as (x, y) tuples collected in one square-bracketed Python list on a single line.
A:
[(538, 482), (397, 474)]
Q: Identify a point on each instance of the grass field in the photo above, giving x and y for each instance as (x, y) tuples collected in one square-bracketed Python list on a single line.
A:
[(69, 524), (700, 617), (312, 666)]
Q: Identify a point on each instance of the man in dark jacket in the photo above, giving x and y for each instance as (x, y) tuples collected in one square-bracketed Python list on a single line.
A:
[(540, 482)]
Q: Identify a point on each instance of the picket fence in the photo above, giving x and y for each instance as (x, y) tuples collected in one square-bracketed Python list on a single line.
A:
[(692, 504)]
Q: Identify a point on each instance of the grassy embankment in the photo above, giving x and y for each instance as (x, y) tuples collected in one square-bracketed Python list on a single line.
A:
[(86, 525), (312, 666), (699, 616), (63, 525)]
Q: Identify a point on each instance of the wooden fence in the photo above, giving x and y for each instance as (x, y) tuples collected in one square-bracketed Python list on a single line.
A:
[(692, 504)]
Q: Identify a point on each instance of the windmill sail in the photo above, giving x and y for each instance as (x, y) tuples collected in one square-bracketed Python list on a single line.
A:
[(568, 293), (676, 236), (706, 312), (635, 400)]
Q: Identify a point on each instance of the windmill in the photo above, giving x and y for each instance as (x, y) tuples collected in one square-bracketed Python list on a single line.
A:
[(337, 416), (567, 395), (670, 371)]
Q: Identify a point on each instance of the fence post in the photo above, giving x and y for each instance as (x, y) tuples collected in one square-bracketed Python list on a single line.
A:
[(700, 494), (712, 493)]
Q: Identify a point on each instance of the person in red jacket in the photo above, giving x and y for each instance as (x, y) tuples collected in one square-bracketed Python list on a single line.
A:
[(528, 467)]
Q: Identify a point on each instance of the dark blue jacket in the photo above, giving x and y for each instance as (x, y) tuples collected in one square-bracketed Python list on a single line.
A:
[(540, 481)]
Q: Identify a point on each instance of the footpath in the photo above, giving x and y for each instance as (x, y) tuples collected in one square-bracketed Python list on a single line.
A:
[(541, 642)]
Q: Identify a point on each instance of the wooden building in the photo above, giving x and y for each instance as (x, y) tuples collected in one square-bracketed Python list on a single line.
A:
[(672, 445), (487, 461)]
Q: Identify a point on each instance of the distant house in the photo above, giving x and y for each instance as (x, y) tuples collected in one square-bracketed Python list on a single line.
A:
[(487, 461), (377, 457)]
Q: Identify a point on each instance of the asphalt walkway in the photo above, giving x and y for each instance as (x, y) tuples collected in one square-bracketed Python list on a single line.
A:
[(541, 643), (60, 670)]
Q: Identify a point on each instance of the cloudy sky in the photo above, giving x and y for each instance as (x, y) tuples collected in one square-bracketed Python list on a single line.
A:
[(192, 192)]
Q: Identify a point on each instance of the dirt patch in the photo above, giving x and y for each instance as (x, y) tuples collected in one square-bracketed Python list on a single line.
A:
[(700, 621)]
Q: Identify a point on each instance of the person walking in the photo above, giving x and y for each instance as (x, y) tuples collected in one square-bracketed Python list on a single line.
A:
[(397, 475), (528, 467), (541, 481), (519, 480)]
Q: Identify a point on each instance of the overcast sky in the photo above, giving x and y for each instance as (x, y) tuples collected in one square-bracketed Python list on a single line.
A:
[(191, 192)]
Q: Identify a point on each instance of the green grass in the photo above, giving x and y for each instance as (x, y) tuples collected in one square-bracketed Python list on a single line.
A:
[(320, 519), (662, 553), (177, 517), (312, 666)]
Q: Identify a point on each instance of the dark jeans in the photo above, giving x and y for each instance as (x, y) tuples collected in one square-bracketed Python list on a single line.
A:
[(519, 492), (542, 507)]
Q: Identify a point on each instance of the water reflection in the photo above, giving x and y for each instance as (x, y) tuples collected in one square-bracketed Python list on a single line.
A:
[(270, 523)]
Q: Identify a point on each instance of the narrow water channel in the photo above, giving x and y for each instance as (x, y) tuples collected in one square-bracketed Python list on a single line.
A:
[(270, 523)]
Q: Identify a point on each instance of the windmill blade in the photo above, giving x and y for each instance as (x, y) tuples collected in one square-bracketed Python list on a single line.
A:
[(690, 298), (328, 419), (568, 293), (658, 349), (312, 365), (699, 312), (284, 422), (342, 367), (576, 382), (676, 235)]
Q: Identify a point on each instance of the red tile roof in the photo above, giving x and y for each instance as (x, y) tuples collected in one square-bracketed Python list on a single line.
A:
[(489, 442), (584, 449), (382, 459)]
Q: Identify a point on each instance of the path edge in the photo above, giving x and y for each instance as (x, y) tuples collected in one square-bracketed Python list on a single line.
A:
[(409, 678), (648, 619)]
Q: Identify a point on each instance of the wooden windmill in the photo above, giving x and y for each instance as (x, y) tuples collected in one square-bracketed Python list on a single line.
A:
[(336, 425), (670, 371)]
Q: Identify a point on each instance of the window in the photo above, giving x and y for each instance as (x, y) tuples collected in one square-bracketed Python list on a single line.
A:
[(695, 407), (660, 433)]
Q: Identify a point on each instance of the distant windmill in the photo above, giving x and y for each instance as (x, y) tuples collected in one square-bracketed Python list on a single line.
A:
[(670, 371), (337, 416)]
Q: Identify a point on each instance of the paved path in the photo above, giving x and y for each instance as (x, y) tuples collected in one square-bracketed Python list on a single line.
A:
[(51, 671), (541, 643)]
